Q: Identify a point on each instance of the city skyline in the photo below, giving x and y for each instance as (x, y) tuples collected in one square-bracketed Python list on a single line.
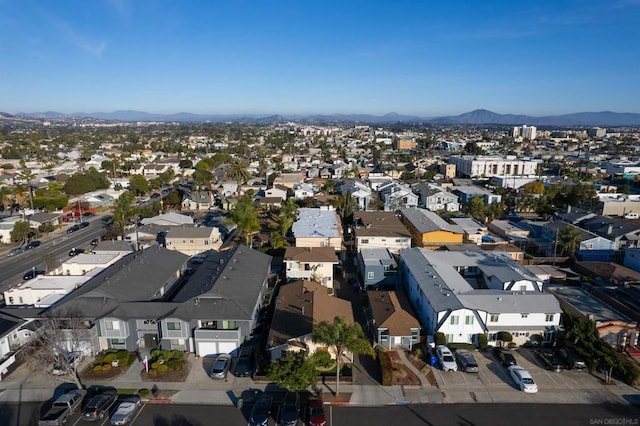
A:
[(319, 58)]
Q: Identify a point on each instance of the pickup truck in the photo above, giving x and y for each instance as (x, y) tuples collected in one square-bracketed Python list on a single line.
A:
[(551, 360), (62, 408)]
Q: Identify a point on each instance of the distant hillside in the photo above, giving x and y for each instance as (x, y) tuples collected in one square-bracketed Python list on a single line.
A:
[(479, 116), (604, 118)]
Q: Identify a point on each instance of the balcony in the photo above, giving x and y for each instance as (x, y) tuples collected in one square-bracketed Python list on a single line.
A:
[(209, 334)]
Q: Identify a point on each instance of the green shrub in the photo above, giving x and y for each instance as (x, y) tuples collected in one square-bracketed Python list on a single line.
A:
[(155, 365), (175, 354), (468, 346), (97, 368), (175, 364), (99, 360), (505, 336), (153, 372), (109, 357), (512, 345), (106, 367), (483, 340), (440, 339), (144, 393), (322, 358), (163, 368), (418, 352), (158, 353)]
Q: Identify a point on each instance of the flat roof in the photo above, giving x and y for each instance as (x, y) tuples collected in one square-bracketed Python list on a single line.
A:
[(53, 282), (316, 223), (587, 304)]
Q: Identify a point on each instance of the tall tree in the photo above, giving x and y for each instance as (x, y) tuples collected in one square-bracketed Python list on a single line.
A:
[(341, 337), (245, 216), (123, 212), (569, 239), (27, 175), (138, 184), (294, 371), (5, 197), (238, 171)]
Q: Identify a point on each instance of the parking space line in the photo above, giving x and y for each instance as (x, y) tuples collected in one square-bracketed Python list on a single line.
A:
[(144, 404)]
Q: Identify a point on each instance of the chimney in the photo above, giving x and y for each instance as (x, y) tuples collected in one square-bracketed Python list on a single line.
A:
[(609, 229), (568, 209)]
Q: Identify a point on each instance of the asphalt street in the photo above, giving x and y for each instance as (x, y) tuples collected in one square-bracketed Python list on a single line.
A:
[(341, 415), (13, 268)]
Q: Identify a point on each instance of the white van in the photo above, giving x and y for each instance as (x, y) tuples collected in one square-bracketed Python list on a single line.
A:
[(632, 216)]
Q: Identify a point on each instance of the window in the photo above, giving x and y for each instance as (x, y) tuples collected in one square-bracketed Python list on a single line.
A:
[(209, 324), (415, 334), (11, 300), (494, 317), (174, 326), (549, 317), (117, 341), (468, 320), (112, 325), (364, 241), (371, 275), (454, 320), (523, 288), (493, 337), (449, 337), (524, 315), (149, 322), (229, 325), (206, 242), (399, 241)]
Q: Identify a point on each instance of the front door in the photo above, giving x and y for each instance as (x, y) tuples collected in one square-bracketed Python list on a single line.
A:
[(151, 341)]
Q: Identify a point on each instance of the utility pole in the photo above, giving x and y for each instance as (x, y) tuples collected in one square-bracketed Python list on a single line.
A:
[(555, 248)]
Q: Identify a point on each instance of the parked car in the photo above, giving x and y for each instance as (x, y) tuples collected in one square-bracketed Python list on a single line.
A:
[(289, 410), (75, 251), (445, 357), (73, 229), (126, 410), (88, 214), (550, 360), (245, 367), (261, 411), (95, 241), (62, 408), (505, 356), (15, 251), (33, 244), (466, 360), (571, 357), (523, 379), (84, 224), (220, 367), (32, 273), (98, 406), (316, 412)]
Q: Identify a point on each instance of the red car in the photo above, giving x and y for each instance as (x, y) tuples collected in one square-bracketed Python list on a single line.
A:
[(316, 412)]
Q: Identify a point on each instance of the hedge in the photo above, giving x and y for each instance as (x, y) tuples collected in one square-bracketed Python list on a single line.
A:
[(469, 346), (387, 369)]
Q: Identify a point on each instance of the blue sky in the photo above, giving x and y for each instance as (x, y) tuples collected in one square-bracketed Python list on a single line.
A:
[(426, 58)]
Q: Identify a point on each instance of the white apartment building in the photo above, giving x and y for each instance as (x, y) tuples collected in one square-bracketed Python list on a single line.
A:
[(479, 166), (524, 132), (446, 292)]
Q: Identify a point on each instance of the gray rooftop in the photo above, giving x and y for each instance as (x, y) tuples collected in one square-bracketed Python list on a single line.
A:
[(444, 287), (585, 303), (376, 256), (427, 221), (190, 232)]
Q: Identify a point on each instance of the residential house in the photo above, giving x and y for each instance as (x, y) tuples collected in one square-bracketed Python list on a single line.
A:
[(393, 320), (621, 232), (435, 198), (376, 229), (318, 228), (197, 200), (377, 268), (474, 231), (607, 273), (311, 263), (516, 253), (12, 337), (142, 302), (429, 230), (509, 230), (168, 219), (360, 192), (43, 291), (277, 191), (192, 240), (397, 195), (299, 307), (464, 294), (467, 192), (590, 248), (611, 325), (87, 264), (289, 180), (303, 191)]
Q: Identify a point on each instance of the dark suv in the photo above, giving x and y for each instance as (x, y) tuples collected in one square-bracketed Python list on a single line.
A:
[(245, 367), (572, 358), (505, 356), (290, 409), (98, 406), (76, 250), (32, 273)]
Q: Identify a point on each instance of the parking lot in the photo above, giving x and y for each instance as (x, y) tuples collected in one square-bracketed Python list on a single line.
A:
[(493, 383)]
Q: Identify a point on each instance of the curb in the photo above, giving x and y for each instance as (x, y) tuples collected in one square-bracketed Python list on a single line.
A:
[(160, 400)]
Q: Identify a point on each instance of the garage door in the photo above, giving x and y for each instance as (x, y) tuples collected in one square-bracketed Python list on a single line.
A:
[(227, 347), (207, 348)]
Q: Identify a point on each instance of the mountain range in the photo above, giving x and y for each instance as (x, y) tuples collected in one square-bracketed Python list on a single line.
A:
[(479, 116)]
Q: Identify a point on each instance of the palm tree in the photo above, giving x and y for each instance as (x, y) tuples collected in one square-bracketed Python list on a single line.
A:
[(238, 172), (5, 197), (569, 238), (28, 176), (341, 337)]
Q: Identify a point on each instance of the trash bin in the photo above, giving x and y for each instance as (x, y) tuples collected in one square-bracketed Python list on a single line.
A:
[(433, 361), (239, 403)]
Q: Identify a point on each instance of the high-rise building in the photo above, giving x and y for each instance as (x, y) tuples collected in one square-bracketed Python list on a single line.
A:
[(524, 132)]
